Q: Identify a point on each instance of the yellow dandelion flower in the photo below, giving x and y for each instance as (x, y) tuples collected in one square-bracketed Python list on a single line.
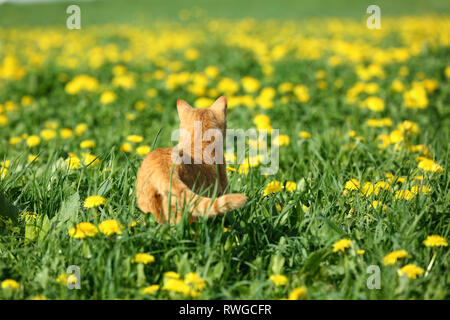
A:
[(278, 279), (150, 289), (404, 194), (15, 140), (281, 140), (304, 135), (83, 230), (110, 227), (144, 258), (435, 241), (177, 285), (171, 275), (66, 133), (411, 270), (126, 147), (94, 201), (273, 187), (33, 141), (10, 283), (341, 245), (48, 134), (73, 162), (90, 160), (80, 129), (298, 293), (378, 204), (135, 138), (392, 257), (108, 97), (291, 186), (65, 278), (87, 144), (352, 184), (195, 280), (143, 150), (430, 165)]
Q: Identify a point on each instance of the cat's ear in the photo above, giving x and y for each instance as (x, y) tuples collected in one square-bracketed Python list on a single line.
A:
[(182, 107), (219, 107)]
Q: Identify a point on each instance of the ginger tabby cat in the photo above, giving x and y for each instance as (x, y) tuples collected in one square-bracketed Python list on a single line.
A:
[(153, 179)]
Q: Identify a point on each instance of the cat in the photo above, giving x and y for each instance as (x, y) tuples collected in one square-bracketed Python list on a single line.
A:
[(191, 185)]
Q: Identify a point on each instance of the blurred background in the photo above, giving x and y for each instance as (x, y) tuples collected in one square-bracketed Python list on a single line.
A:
[(48, 12)]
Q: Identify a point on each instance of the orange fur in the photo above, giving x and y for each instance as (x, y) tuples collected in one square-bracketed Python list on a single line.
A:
[(188, 180)]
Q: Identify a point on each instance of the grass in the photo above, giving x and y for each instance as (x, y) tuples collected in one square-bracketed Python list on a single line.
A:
[(237, 253)]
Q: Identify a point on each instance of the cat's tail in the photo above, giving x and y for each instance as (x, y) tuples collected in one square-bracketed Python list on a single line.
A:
[(210, 207), (183, 197)]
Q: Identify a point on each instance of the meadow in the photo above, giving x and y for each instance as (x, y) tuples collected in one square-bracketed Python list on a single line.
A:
[(363, 158)]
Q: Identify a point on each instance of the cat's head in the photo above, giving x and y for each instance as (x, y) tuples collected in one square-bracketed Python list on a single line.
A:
[(195, 124), (213, 117)]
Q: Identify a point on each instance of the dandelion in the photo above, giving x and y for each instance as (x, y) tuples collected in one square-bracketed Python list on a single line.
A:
[(110, 227), (191, 54), (108, 97), (250, 84), (10, 283), (304, 135), (281, 140), (298, 293), (150, 289), (40, 297), (33, 141), (143, 150), (302, 93), (135, 138), (80, 129), (144, 258), (90, 160), (285, 87), (14, 140), (404, 194), (435, 241), (65, 279), (126, 147), (278, 279), (378, 204), (420, 189), (273, 187), (177, 285), (291, 186), (140, 105), (87, 144), (429, 165), (352, 184), (341, 245), (360, 252), (195, 280), (83, 230), (392, 257), (94, 201), (411, 270), (374, 104), (211, 72), (171, 275), (48, 134), (203, 103), (73, 162), (66, 133)]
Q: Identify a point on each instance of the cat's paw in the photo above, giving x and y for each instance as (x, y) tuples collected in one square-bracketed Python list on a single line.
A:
[(236, 200)]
